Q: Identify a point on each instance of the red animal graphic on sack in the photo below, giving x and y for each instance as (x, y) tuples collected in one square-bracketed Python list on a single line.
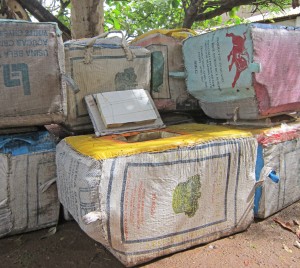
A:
[(239, 54)]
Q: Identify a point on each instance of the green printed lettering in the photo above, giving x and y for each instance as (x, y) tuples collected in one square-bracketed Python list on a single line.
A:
[(10, 33), (36, 32), (6, 43), (37, 53), (14, 53), (32, 42)]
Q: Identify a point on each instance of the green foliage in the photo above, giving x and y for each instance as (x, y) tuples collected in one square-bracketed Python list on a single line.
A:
[(135, 17), (59, 8), (139, 16)]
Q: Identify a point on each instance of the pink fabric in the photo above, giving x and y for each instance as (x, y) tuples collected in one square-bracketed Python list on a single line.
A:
[(277, 86)]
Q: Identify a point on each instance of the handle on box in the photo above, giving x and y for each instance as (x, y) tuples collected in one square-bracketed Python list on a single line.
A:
[(93, 216), (272, 175), (45, 186), (178, 75), (91, 43), (93, 40), (70, 81)]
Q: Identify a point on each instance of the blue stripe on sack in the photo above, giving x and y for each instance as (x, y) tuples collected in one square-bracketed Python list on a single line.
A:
[(258, 167), (33, 142)]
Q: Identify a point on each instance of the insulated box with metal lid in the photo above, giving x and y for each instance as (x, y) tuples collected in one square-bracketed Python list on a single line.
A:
[(32, 63), (100, 64), (122, 111), (277, 169), (28, 193), (248, 71), (152, 193), (167, 89)]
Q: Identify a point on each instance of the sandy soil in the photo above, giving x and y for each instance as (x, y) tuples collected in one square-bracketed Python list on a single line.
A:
[(264, 244)]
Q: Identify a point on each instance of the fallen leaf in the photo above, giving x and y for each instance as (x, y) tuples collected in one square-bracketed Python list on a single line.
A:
[(284, 225), (296, 222), (285, 247), (297, 244), (298, 232), (50, 232)]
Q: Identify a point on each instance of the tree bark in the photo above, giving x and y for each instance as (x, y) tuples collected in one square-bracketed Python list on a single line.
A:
[(223, 9), (43, 15), (196, 10), (87, 18), (190, 15)]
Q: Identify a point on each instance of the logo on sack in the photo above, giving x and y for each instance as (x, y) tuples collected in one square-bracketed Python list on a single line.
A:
[(239, 55), (126, 80), (16, 75), (157, 71), (186, 195)]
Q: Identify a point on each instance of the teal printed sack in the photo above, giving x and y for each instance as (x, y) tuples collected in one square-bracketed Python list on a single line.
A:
[(30, 74)]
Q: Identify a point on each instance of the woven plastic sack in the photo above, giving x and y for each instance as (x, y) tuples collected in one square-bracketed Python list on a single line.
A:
[(168, 89), (28, 193), (32, 64), (277, 169), (240, 72), (101, 64), (191, 183)]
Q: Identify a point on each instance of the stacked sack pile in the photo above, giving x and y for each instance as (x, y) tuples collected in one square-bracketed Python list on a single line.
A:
[(31, 96), (140, 188), (238, 74), (146, 192), (130, 184)]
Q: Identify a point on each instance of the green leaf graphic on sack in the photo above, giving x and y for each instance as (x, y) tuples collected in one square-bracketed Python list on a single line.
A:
[(16, 75), (186, 195), (126, 80)]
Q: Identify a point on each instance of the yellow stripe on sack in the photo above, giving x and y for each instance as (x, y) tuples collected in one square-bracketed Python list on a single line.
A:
[(180, 33), (189, 135)]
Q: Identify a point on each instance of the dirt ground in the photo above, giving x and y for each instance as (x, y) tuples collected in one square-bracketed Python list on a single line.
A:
[(264, 244)]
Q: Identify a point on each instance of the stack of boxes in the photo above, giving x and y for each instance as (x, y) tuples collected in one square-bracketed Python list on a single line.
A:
[(101, 65), (31, 96), (144, 198), (191, 183), (239, 74), (168, 88)]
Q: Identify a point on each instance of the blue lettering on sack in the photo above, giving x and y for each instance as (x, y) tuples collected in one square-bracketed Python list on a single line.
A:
[(17, 75)]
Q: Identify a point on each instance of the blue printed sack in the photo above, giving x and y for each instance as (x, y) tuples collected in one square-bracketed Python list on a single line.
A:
[(28, 193)]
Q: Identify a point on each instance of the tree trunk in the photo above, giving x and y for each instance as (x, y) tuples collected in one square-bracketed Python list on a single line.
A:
[(189, 17), (198, 10), (43, 15), (87, 18)]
